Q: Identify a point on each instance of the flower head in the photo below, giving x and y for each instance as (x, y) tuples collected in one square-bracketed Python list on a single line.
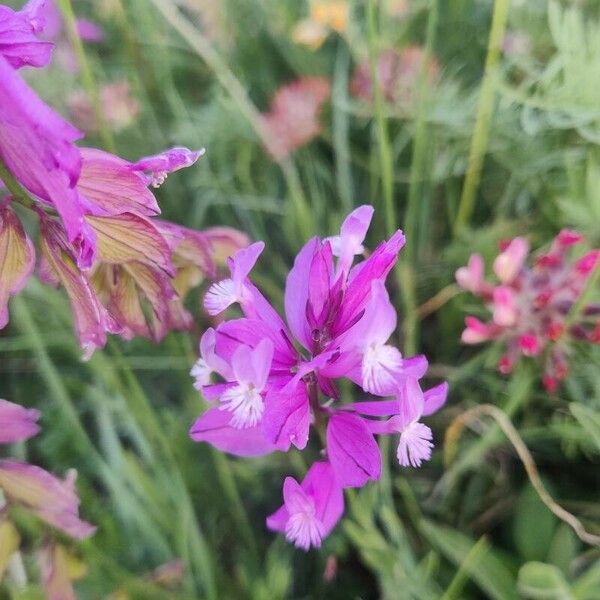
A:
[(272, 380), (531, 304), (292, 120)]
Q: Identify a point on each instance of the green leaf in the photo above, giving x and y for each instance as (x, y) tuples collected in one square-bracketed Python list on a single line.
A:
[(533, 525), (489, 572), (589, 420), (540, 581)]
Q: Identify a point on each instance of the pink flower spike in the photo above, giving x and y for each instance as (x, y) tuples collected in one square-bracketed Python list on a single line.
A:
[(506, 312), (470, 278), (160, 165), (310, 510), (352, 450), (17, 423), (508, 264), (224, 293)]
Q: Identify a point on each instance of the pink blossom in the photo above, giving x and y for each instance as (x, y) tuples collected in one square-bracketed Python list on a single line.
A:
[(272, 381), (17, 423), (531, 304), (292, 120), (311, 509)]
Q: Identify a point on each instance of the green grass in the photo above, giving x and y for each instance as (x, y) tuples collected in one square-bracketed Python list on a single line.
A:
[(484, 154)]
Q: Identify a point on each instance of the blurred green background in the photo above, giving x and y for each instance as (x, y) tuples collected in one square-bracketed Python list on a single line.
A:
[(470, 526)]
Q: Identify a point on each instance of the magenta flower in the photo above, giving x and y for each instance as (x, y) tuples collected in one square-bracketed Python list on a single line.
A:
[(49, 498), (272, 381), (530, 305), (310, 510)]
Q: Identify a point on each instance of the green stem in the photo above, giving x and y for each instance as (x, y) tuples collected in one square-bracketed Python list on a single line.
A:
[(89, 82), (385, 152), (484, 115), (238, 93), (454, 590)]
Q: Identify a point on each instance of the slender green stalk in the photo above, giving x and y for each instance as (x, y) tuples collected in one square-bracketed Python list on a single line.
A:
[(590, 287), (385, 152), (421, 142), (89, 81), (454, 590), (415, 200), (485, 110), (238, 93)]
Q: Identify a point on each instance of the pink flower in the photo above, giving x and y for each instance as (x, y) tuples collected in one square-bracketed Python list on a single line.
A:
[(292, 120), (119, 108), (17, 423), (531, 304), (269, 392), (311, 509), (398, 74)]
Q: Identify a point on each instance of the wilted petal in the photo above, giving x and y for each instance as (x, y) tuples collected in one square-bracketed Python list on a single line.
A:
[(129, 237), (225, 241), (17, 259), (51, 499), (160, 165), (17, 423), (352, 450), (111, 186), (91, 319), (55, 572), (214, 427), (36, 145)]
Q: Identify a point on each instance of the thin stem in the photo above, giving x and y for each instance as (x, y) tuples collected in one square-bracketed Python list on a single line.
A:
[(385, 152), (89, 82), (530, 467), (238, 93), (484, 115)]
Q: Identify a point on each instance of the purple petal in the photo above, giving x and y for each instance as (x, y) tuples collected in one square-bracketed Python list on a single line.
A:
[(321, 484), (286, 420), (435, 398), (296, 293), (159, 165), (213, 427), (352, 450), (377, 408), (252, 365)]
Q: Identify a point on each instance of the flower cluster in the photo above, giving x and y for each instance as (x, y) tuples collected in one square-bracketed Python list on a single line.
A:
[(45, 496), (276, 380), (398, 76), (531, 306), (293, 118), (124, 270), (325, 16)]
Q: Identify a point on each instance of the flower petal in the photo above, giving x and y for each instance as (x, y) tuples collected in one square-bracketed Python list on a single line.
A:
[(17, 423)]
